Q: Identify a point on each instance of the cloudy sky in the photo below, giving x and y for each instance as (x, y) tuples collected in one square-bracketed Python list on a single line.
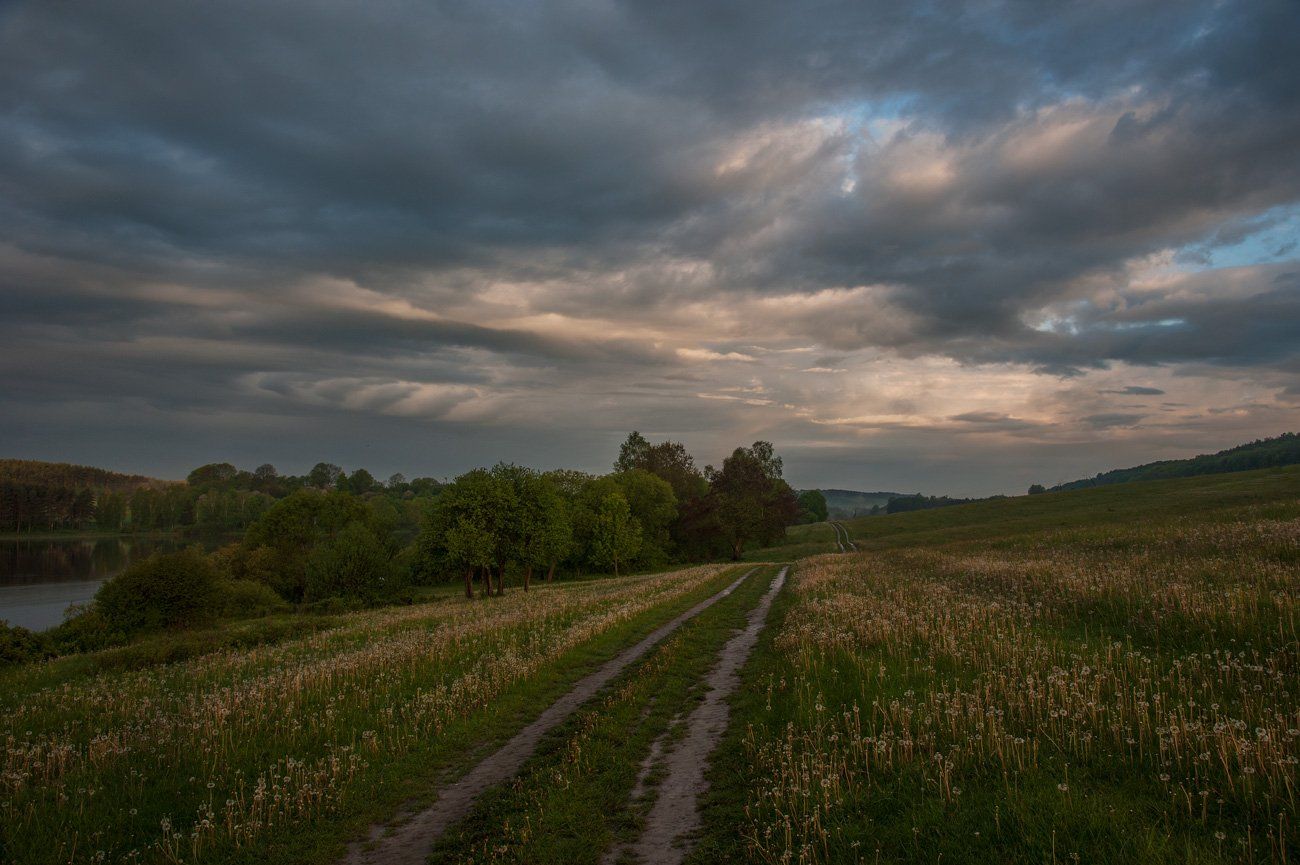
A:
[(949, 247)]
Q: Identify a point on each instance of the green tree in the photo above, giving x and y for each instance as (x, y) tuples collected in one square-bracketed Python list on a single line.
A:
[(469, 527), (212, 475), (617, 535), (653, 505), (324, 476), (110, 511), (355, 562), (753, 502), (543, 533), (361, 482), (1036, 489), (292, 527), (667, 460), (468, 548), (163, 591), (812, 507)]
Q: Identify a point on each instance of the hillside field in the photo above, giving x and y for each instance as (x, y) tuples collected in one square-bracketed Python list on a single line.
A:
[(1096, 676)]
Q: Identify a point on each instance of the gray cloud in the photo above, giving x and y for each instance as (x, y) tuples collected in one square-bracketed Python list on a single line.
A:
[(560, 216)]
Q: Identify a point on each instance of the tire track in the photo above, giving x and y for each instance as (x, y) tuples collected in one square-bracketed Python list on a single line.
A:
[(413, 841), (675, 816)]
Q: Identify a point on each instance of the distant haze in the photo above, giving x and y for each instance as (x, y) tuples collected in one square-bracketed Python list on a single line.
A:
[(951, 248)]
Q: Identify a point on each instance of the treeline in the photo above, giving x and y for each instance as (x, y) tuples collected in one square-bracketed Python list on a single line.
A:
[(903, 504), (1284, 450), (655, 507), (215, 498)]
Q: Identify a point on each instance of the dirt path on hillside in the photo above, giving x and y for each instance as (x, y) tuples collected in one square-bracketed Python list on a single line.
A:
[(842, 538), (412, 841), (675, 816)]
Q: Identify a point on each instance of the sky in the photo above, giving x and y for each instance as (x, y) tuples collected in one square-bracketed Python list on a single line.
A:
[(925, 246)]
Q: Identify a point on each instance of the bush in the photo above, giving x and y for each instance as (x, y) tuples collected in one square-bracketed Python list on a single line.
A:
[(172, 590), (84, 629), (243, 599), (19, 645), (355, 563)]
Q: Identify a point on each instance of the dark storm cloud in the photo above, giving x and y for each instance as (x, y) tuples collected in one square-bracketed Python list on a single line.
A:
[(463, 209), (1136, 390)]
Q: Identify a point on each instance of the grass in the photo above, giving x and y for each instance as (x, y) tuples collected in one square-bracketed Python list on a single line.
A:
[(1088, 676), (284, 751), (573, 800), (1092, 676), (799, 541)]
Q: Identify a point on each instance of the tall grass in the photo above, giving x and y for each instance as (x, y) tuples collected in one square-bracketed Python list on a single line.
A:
[(216, 758), (1125, 691)]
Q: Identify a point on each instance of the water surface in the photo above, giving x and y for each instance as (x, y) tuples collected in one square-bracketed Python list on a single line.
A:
[(40, 578)]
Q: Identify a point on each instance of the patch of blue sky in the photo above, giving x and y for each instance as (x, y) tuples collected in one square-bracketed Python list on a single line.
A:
[(1272, 236)]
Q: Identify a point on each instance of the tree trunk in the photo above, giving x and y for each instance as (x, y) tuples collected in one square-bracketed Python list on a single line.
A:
[(487, 581), (469, 583), (737, 547), (501, 579), (528, 576), (550, 574), (616, 567)]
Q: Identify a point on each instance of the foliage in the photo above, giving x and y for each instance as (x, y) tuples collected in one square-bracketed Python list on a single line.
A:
[(918, 502), (754, 504), (812, 507), (354, 563), (166, 590), (238, 599), (292, 528), (21, 646), (617, 534)]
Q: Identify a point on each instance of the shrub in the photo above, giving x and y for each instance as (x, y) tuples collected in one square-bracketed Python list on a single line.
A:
[(19, 645), (244, 599), (355, 563), (164, 591), (84, 629)]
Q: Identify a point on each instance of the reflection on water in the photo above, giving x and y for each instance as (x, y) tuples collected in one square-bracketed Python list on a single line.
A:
[(40, 578)]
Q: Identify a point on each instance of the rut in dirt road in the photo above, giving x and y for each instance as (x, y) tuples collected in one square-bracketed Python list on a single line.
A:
[(675, 816), (413, 841)]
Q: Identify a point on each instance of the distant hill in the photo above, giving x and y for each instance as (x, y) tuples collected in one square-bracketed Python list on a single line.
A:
[(67, 476), (845, 504), (1264, 453)]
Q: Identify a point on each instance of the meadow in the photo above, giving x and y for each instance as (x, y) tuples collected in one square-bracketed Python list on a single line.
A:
[(1099, 676), (286, 750), (1103, 675)]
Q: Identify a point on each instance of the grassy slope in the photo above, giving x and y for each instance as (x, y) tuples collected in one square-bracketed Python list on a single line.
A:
[(1208, 497), (1170, 570)]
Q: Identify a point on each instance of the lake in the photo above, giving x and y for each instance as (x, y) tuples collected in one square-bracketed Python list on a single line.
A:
[(39, 578)]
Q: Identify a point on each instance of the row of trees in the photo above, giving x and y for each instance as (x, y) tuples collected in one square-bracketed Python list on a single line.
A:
[(215, 498), (655, 506)]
